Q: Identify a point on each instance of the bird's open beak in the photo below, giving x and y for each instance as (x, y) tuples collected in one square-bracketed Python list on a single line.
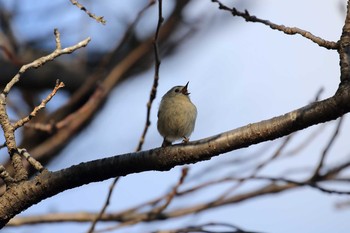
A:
[(184, 89)]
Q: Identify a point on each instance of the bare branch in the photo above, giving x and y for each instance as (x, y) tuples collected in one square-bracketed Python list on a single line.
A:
[(103, 210), (9, 133), (156, 212), (99, 19), (128, 217), (317, 174), (8, 128), (343, 49), (303, 183), (89, 99), (162, 159), (333, 172), (50, 183), (274, 156), (173, 193), (149, 104), (41, 61), (36, 164), (40, 106), (305, 142), (207, 228), (156, 76), (287, 30), (152, 97)]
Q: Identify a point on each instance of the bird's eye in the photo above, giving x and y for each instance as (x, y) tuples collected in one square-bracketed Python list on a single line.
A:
[(177, 90)]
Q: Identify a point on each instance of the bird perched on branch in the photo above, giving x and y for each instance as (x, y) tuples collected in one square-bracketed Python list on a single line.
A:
[(176, 115)]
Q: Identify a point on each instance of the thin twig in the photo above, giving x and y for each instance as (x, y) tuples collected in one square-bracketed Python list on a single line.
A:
[(274, 179), (260, 166), (40, 106), (36, 164), (302, 183), (318, 94), (334, 171), (156, 76), (306, 142), (287, 30), (317, 174), (131, 214), (205, 228), (99, 19), (152, 214), (41, 61), (142, 137), (274, 155), (152, 97), (102, 211), (173, 192)]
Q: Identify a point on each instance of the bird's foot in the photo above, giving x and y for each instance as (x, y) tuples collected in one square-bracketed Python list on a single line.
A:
[(166, 143), (185, 140)]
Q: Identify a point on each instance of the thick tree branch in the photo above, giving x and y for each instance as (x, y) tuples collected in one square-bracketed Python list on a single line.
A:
[(344, 49), (9, 133), (48, 184)]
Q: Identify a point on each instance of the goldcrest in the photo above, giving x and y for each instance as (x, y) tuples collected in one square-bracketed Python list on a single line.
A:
[(176, 115)]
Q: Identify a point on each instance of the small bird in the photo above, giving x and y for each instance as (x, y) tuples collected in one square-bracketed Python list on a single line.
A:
[(176, 115)]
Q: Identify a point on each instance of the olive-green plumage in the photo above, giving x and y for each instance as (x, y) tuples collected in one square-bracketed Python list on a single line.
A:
[(176, 115)]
